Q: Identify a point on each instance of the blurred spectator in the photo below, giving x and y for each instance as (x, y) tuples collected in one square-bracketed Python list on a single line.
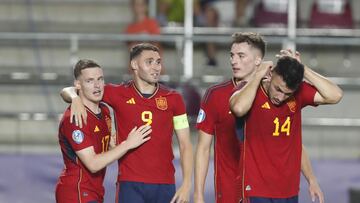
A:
[(142, 23), (242, 12), (271, 13), (170, 12), (206, 15), (331, 14)]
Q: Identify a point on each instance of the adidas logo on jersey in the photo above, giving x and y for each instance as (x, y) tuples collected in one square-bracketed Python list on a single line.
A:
[(131, 101), (248, 188), (265, 106), (96, 129)]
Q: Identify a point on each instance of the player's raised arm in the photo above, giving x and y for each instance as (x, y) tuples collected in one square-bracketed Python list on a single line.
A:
[(78, 111), (327, 91), (95, 162), (182, 130), (202, 157), (241, 101), (306, 169)]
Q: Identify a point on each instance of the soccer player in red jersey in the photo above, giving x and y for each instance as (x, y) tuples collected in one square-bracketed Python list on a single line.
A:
[(85, 151), (216, 121), (147, 173), (270, 160)]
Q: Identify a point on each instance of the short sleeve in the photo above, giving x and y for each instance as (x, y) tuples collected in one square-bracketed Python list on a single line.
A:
[(78, 138), (307, 94), (207, 114), (179, 105)]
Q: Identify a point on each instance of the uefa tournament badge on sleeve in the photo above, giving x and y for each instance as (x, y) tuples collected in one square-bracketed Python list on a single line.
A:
[(78, 136)]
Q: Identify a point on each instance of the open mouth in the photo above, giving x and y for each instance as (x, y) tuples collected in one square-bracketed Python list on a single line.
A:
[(97, 92), (276, 101)]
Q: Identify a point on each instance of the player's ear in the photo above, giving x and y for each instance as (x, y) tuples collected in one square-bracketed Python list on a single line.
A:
[(133, 65), (257, 61), (271, 72), (77, 84)]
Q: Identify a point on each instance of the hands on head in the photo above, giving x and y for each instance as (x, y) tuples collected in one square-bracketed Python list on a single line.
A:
[(290, 53)]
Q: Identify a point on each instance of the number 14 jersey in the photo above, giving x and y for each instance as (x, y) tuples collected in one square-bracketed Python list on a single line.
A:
[(271, 152)]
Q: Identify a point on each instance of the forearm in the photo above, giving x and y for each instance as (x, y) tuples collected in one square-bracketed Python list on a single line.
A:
[(202, 157), (241, 101), (329, 91), (186, 155), (100, 161), (306, 167), (68, 93)]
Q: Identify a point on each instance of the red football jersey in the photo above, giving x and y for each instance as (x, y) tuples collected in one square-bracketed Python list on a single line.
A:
[(271, 153), (215, 118), (76, 183), (152, 161)]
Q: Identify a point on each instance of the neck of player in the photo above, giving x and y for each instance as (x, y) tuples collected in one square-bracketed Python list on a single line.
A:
[(93, 106), (145, 87)]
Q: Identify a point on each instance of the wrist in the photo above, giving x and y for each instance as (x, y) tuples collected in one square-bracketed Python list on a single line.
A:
[(198, 196), (125, 145), (312, 180)]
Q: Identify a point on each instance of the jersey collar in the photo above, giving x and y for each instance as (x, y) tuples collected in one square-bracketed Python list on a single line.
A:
[(140, 94)]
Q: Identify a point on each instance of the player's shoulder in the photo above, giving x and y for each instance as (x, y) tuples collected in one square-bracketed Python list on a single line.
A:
[(66, 115), (120, 88), (166, 90), (104, 108), (119, 85), (65, 124), (218, 89)]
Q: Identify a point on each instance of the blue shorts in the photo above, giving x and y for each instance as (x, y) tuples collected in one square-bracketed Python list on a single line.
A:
[(271, 200), (138, 192)]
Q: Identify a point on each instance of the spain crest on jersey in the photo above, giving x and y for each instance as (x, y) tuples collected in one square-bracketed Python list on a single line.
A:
[(161, 103), (292, 104)]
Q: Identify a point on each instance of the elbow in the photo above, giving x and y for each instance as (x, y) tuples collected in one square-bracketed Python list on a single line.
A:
[(186, 146), (202, 150), (338, 95), (64, 96), (237, 110), (236, 107), (93, 168)]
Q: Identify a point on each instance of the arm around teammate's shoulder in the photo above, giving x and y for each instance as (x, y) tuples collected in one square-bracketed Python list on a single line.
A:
[(78, 110)]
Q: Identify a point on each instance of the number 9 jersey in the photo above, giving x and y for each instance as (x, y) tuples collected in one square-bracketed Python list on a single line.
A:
[(165, 111)]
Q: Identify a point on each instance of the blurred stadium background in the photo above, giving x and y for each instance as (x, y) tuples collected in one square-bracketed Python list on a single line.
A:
[(40, 40)]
